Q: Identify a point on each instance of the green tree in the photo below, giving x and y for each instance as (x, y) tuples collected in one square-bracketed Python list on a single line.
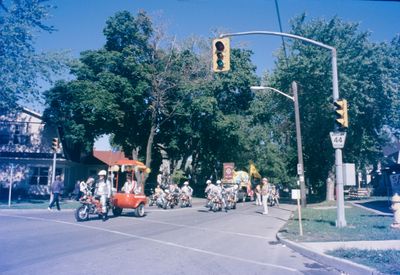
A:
[(20, 65), (364, 68), (113, 84)]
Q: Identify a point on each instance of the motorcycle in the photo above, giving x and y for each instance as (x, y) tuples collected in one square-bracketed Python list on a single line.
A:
[(90, 205), (171, 199), (185, 200), (231, 199), (161, 201), (216, 203), (153, 198)]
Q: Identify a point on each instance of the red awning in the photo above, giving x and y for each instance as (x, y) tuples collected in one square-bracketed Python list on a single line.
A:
[(129, 162)]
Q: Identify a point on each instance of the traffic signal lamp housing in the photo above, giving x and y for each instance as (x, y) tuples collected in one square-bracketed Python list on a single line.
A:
[(341, 120), (55, 144), (221, 55)]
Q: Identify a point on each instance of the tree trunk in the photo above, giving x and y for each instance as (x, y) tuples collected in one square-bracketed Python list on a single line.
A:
[(150, 142), (330, 187)]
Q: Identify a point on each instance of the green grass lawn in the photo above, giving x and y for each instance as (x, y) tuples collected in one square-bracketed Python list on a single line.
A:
[(386, 261), (37, 204), (362, 225), (319, 225)]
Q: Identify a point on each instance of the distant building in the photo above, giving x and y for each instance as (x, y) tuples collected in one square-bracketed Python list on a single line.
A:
[(26, 154), (386, 175)]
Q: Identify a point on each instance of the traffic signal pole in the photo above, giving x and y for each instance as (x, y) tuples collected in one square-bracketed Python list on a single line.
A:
[(53, 172), (341, 220), (340, 213)]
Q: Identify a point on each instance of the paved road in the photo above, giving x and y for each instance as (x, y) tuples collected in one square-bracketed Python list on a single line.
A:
[(176, 241)]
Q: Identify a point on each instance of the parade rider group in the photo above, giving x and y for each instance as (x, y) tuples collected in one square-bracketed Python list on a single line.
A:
[(102, 189)]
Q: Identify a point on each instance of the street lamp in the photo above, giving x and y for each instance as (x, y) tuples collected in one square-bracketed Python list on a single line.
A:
[(300, 170)]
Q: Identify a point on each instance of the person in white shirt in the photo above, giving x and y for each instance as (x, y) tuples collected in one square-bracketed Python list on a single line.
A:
[(103, 190), (129, 186), (188, 191)]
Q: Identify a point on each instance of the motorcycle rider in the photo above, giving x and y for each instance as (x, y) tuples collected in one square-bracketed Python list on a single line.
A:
[(220, 192), (209, 189), (188, 191), (175, 192), (103, 189), (274, 195)]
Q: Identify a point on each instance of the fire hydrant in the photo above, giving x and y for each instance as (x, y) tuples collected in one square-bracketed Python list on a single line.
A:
[(396, 211)]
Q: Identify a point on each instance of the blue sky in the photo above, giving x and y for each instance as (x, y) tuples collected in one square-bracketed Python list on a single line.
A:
[(80, 22)]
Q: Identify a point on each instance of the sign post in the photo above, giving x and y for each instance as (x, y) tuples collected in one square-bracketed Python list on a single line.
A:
[(296, 196), (11, 184)]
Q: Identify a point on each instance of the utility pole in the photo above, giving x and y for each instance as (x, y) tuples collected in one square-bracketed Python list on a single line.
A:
[(300, 167)]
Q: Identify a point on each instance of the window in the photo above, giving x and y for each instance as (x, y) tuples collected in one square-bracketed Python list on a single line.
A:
[(5, 134), (40, 175)]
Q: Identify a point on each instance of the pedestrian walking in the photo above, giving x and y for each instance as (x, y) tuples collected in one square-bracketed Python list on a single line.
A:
[(56, 188), (264, 190), (258, 194)]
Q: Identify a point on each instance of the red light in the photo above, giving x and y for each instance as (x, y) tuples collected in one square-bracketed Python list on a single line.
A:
[(219, 46)]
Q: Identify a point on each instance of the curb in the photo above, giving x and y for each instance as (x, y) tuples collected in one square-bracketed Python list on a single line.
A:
[(338, 263)]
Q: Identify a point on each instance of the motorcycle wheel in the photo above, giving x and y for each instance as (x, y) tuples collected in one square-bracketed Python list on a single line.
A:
[(82, 213), (116, 211), (214, 208), (234, 206), (139, 211)]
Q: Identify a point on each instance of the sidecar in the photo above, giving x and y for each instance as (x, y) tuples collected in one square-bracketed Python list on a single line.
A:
[(132, 199)]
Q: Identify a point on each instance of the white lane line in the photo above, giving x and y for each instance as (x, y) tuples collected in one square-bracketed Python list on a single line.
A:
[(200, 228), (202, 251)]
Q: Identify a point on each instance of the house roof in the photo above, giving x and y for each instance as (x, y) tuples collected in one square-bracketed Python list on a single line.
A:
[(109, 157), (391, 149)]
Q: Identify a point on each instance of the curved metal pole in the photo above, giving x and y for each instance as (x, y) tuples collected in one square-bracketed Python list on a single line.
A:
[(341, 220), (278, 34), (282, 93)]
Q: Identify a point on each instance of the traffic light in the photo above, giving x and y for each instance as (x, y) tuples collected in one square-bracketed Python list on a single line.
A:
[(55, 144), (221, 55), (341, 113)]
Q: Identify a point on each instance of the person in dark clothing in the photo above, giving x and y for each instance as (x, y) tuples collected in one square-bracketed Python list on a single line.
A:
[(77, 192), (56, 188)]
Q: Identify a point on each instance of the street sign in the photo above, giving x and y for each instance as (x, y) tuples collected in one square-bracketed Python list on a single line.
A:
[(228, 170), (299, 169), (338, 139), (295, 194)]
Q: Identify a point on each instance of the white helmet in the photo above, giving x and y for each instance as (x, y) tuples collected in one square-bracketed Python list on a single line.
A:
[(102, 173), (186, 183), (208, 181), (218, 182)]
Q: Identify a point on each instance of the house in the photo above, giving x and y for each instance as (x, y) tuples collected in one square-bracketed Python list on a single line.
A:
[(26, 156), (386, 176)]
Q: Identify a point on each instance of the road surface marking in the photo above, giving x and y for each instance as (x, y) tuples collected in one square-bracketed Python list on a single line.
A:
[(201, 228), (202, 251)]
